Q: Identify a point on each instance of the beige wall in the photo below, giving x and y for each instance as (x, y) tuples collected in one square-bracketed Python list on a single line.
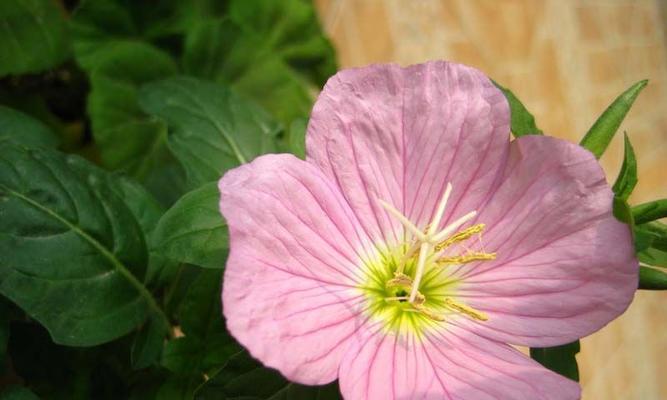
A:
[(566, 60)]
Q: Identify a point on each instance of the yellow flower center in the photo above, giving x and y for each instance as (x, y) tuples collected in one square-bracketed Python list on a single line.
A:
[(410, 287)]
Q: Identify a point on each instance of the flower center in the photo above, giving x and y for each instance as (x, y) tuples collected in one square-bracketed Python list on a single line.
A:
[(412, 285)]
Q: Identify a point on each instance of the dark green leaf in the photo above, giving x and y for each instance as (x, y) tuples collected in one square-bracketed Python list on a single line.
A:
[(23, 129), (64, 230), (603, 130), (148, 343), (291, 29), (4, 332), (220, 49), (193, 231), (650, 211), (627, 177), (522, 121), (560, 359), (17, 393), (652, 279), (34, 36), (211, 128), (206, 345), (127, 138), (243, 377)]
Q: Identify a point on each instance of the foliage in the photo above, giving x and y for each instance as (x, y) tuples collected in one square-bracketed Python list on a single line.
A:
[(116, 119), (111, 243)]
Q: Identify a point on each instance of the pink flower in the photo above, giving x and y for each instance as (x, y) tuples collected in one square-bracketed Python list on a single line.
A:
[(417, 243)]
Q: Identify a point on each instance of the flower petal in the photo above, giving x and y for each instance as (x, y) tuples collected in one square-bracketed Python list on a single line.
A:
[(288, 292), (565, 266), (400, 134), (452, 364)]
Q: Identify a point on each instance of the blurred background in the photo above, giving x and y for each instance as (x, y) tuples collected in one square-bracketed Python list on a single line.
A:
[(566, 61)]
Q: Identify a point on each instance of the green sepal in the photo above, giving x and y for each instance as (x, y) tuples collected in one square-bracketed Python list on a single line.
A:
[(522, 121), (652, 279), (603, 130), (627, 176), (650, 211), (560, 359)]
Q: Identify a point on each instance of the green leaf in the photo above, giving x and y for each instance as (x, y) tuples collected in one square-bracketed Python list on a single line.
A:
[(243, 377), (147, 344), (627, 177), (211, 128), (4, 333), (34, 36), (290, 29), (21, 128), (64, 230), (193, 231), (657, 231), (522, 121), (560, 359), (17, 393), (652, 279), (206, 345), (222, 50), (128, 139), (603, 130), (650, 211)]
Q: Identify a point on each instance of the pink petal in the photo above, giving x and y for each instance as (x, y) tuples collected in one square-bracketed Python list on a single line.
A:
[(452, 364), (400, 134), (565, 266), (288, 287)]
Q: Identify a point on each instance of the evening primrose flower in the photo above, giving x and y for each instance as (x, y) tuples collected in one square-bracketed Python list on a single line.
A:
[(416, 244)]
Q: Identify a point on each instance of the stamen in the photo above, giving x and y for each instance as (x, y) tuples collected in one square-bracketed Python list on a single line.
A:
[(464, 309), (452, 227), (460, 236), (467, 258), (400, 279), (403, 220), (424, 310)]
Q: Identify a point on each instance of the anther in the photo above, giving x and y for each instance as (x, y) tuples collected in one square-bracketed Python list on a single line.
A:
[(460, 236), (464, 309), (467, 258)]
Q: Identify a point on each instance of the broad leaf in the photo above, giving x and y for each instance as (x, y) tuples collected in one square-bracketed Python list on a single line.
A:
[(603, 130), (17, 393), (211, 128), (522, 121), (21, 128), (34, 36), (560, 359), (627, 177), (147, 344), (193, 231), (290, 29), (128, 139), (64, 230), (243, 377), (652, 279), (650, 211), (206, 345), (220, 50), (4, 333)]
